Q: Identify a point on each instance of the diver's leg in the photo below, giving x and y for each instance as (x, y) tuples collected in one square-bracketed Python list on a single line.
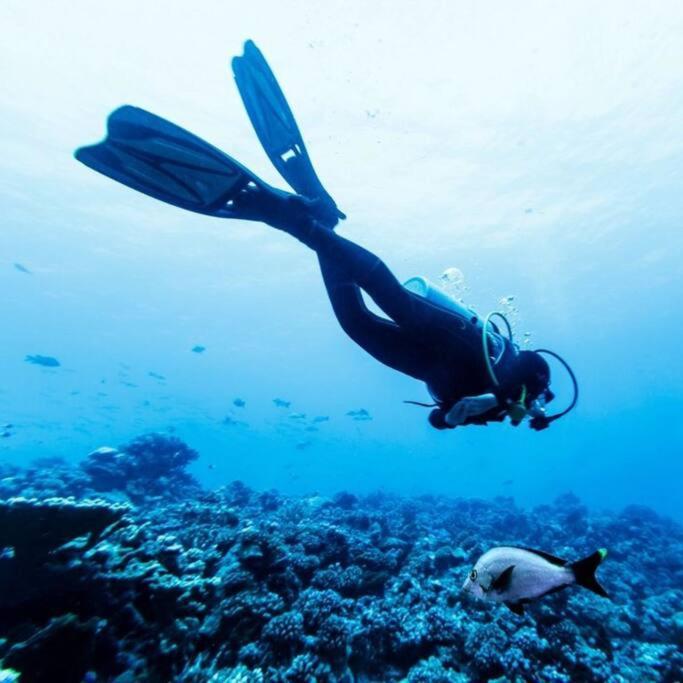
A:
[(294, 215), (383, 339), (411, 312)]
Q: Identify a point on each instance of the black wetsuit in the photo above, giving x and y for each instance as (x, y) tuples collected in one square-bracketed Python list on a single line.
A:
[(425, 341)]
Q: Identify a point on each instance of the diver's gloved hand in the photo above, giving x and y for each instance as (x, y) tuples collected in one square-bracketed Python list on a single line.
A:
[(539, 423), (437, 418)]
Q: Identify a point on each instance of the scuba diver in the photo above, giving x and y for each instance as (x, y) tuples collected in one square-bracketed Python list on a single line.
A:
[(474, 373)]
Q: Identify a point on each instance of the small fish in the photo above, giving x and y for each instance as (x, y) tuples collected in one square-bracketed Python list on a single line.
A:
[(230, 421), (9, 425), (321, 418), (312, 428), (515, 576), (303, 445), (239, 403), (360, 414), (198, 349), (45, 361), (156, 375), (297, 416), (22, 269), (508, 482), (281, 403), (5, 434)]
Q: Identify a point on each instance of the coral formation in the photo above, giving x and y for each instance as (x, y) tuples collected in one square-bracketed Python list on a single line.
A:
[(188, 585)]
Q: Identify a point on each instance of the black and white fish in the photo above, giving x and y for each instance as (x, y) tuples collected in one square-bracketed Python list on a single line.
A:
[(515, 576)]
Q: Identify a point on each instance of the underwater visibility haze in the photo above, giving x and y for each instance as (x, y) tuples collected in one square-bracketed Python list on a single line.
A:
[(222, 453)]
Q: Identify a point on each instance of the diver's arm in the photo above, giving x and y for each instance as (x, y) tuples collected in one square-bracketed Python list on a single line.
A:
[(470, 406)]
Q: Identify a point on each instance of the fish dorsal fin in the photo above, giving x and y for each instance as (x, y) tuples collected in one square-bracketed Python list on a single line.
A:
[(515, 607), (547, 556), (502, 582)]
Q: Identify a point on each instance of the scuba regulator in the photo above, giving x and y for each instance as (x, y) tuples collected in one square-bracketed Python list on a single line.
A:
[(518, 410)]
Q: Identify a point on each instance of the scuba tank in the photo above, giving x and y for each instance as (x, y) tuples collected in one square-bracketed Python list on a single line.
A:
[(435, 295), (423, 287)]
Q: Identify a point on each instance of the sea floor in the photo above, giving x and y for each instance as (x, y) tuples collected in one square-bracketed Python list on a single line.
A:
[(122, 568)]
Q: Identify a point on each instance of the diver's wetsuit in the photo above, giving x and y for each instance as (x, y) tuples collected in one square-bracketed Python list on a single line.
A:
[(422, 340), (433, 344)]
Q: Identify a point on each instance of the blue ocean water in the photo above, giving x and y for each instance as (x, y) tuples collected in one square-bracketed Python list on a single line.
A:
[(525, 156), (536, 149)]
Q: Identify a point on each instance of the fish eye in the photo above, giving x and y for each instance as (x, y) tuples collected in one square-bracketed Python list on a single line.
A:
[(473, 575)]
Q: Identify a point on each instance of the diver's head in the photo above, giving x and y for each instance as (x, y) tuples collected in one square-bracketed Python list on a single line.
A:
[(529, 369)]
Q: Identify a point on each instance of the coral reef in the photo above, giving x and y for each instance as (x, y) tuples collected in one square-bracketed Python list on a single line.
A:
[(35, 527), (150, 466), (188, 585)]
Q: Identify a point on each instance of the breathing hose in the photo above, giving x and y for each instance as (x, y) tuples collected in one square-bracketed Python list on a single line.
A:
[(485, 343), (572, 376)]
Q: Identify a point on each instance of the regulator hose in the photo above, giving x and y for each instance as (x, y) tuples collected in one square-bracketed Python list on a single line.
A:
[(572, 376), (485, 343)]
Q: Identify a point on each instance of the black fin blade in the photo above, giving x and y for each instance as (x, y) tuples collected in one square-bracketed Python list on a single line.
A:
[(502, 581), (276, 128), (515, 607), (584, 572), (547, 556), (154, 156)]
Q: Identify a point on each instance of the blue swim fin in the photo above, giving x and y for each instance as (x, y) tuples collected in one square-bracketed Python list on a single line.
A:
[(162, 160), (276, 128)]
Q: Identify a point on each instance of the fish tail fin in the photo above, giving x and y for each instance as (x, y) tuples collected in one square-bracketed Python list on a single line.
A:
[(584, 572)]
